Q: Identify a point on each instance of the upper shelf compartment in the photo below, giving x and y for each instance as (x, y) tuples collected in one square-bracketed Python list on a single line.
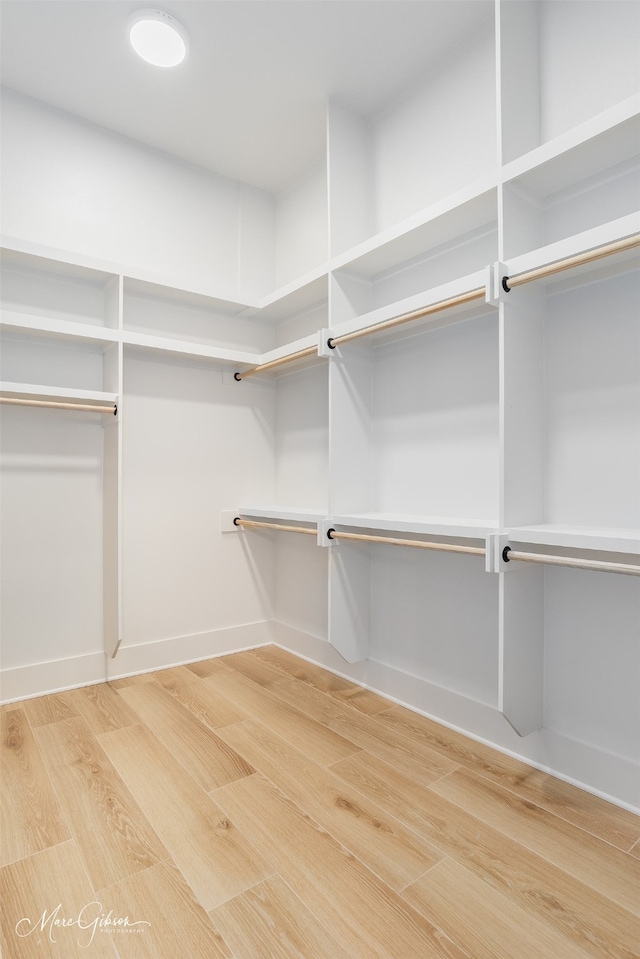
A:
[(180, 322), (54, 298), (551, 84), (594, 182), (297, 310), (454, 237), (425, 146)]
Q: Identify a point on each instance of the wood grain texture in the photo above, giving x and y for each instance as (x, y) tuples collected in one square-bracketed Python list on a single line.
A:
[(270, 920), (366, 833), (212, 710), (31, 890), (47, 709), (284, 665), (112, 835), (615, 825), (101, 708), (609, 871), (383, 844), (30, 814), (365, 700), (596, 924), (254, 668), (367, 732), (210, 761), (133, 680), (216, 860), (179, 928), (313, 739), (359, 911), (207, 667), (486, 922), (296, 668)]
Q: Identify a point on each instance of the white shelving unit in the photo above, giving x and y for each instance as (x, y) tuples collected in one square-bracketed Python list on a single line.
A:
[(513, 419)]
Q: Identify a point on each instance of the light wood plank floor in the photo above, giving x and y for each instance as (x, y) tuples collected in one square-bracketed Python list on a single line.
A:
[(258, 807)]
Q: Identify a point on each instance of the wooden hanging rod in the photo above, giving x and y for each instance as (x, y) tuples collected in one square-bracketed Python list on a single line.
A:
[(59, 405), (629, 243), (509, 554), (416, 544), (332, 342), (253, 524), (272, 364), (478, 294)]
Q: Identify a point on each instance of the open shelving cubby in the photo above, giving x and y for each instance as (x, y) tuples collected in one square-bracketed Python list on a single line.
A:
[(60, 343)]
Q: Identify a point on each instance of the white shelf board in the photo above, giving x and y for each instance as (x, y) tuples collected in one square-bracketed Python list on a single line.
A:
[(436, 294), (26, 255), (186, 348), (457, 527), (14, 322), (303, 293), (287, 349), (455, 216), (81, 265), (578, 537), (596, 145), (34, 391), (156, 289), (606, 233), (292, 513)]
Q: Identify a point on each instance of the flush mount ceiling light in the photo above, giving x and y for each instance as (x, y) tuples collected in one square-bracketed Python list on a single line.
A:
[(158, 38)]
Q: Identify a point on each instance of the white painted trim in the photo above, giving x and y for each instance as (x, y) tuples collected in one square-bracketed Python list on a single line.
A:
[(54, 676), (58, 675), (179, 650)]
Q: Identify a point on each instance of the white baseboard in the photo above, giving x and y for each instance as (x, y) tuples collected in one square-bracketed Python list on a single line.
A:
[(611, 777), (188, 649), (57, 675), (53, 676)]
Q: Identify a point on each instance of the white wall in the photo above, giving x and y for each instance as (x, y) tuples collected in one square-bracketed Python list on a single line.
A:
[(192, 447), (439, 138), (51, 520), (302, 228), (74, 186), (592, 659), (576, 40)]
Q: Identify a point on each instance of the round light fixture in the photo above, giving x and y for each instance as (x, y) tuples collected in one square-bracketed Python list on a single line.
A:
[(158, 38)]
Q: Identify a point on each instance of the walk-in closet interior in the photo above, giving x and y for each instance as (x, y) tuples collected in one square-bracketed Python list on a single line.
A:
[(458, 266)]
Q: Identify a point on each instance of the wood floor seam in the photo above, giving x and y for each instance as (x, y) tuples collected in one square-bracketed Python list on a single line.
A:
[(551, 812)]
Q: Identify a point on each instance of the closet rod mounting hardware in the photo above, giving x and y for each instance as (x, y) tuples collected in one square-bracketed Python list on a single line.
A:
[(272, 364), (603, 566), (254, 524), (460, 300), (416, 544), (58, 405), (608, 249)]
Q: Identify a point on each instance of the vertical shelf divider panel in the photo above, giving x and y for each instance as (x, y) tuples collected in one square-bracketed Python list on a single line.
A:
[(521, 619), (112, 477), (350, 490), (518, 77)]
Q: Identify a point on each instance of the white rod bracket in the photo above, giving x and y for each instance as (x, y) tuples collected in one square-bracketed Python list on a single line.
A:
[(496, 293), (324, 350), (227, 517), (324, 525), (500, 541)]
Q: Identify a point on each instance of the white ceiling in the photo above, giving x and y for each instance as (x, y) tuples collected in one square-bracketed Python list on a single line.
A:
[(250, 100)]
